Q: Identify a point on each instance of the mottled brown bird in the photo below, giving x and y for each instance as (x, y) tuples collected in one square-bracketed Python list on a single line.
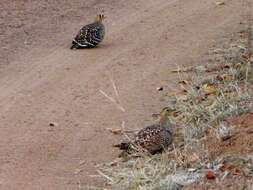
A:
[(154, 138), (90, 35)]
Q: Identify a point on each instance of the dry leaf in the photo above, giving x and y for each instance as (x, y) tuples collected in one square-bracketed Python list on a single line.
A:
[(218, 68), (208, 102), (210, 175), (224, 77), (169, 94), (235, 170), (184, 82), (114, 131), (220, 3), (210, 88), (182, 96), (238, 65)]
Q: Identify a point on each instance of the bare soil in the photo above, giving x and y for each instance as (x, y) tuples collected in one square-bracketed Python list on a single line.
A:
[(43, 81), (240, 144)]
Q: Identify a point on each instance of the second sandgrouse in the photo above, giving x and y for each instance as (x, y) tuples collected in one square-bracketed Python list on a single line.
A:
[(154, 138), (90, 35)]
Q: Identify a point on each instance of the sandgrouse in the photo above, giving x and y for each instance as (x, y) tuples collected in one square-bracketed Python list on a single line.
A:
[(90, 35), (154, 138)]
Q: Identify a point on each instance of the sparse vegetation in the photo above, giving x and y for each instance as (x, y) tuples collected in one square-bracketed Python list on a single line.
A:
[(219, 90)]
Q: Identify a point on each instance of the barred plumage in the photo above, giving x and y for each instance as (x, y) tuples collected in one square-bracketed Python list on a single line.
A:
[(154, 138), (90, 35)]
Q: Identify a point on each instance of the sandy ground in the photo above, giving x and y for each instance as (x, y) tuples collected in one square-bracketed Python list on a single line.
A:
[(42, 81)]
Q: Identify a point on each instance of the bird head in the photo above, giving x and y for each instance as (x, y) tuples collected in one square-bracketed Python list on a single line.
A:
[(164, 116), (100, 17), (166, 111)]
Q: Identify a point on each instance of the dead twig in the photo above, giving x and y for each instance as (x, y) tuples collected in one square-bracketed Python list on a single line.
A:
[(113, 101)]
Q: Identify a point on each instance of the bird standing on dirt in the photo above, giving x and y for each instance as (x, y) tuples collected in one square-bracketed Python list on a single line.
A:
[(90, 35), (154, 138)]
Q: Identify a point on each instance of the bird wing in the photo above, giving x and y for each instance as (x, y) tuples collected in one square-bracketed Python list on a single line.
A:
[(90, 35), (148, 134), (154, 138)]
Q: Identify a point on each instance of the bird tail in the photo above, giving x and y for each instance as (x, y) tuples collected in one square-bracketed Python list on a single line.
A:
[(74, 45), (123, 145)]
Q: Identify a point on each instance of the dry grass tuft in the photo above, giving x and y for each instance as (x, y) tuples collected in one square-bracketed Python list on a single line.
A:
[(218, 91)]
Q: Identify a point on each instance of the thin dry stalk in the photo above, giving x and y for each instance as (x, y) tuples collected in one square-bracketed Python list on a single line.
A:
[(178, 155), (104, 175), (116, 101), (113, 101), (114, 86), (127, 137), (123, 129)]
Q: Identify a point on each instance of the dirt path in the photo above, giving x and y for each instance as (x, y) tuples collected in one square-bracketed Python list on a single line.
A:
[(42, 81)]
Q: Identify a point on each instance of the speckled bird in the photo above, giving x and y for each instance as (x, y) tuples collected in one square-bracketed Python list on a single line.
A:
[(154, 138), (90, 35)]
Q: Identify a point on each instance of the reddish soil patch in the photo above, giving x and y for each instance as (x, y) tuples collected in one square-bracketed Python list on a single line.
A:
[(241, 143)]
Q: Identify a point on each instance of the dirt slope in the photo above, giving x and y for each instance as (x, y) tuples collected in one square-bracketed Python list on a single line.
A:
[(42, 81)]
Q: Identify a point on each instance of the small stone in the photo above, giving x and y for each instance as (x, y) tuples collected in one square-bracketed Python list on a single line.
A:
[(225, 131), (53, 124)]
